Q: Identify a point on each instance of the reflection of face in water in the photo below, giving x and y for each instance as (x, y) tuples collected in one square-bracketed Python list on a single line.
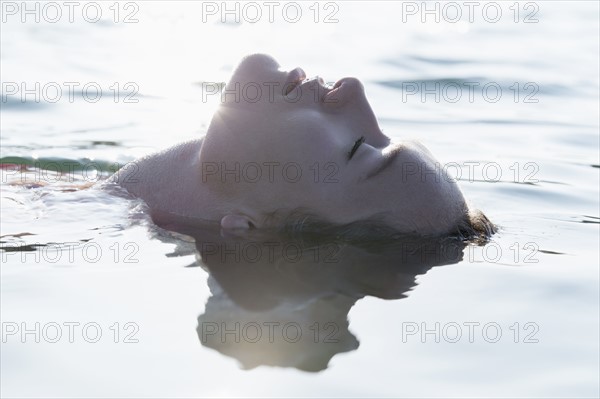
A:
[(285, 303)]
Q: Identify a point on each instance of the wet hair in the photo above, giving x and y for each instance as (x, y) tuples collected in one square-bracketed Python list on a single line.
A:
[(474, 227)]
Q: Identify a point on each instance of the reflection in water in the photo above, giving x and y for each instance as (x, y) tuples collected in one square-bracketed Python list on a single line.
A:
[(285, 302)]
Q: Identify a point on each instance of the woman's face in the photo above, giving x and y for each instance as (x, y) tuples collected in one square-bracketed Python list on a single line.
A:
[(280, 141)]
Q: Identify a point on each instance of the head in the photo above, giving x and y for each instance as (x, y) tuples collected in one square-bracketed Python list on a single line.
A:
[(280, 143)]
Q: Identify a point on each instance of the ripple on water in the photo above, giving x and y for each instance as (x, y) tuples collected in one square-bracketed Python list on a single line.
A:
[(61, 208)]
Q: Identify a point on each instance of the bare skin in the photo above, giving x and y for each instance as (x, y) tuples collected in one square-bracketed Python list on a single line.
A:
[(280, 142)]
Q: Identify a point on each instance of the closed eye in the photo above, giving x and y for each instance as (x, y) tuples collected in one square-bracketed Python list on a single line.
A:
[(357, 144)]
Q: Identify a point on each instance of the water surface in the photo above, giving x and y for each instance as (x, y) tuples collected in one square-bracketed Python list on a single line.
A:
[(75, 253)]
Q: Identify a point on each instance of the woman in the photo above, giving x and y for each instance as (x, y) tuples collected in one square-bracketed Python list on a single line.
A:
[(286, 152)]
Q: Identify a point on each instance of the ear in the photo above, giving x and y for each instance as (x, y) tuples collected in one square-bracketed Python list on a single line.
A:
[(237, 222)]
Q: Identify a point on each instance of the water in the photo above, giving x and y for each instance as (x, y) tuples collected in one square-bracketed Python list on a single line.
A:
[(86, 256)]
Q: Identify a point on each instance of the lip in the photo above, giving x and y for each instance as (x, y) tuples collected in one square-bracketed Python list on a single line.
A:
[(312, 88), (293, 80), (336, 87), (343, 90)]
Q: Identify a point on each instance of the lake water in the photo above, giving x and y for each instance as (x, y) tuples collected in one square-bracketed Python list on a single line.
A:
[(114, 301)]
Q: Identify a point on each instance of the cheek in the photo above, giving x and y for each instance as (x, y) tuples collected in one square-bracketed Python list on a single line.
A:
[(311, 140), (296, 154)]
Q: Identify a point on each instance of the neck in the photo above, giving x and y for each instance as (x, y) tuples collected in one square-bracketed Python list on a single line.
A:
[(170, 181)]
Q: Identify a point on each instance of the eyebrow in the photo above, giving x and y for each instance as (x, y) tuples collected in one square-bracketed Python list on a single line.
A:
[(387, 161)]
